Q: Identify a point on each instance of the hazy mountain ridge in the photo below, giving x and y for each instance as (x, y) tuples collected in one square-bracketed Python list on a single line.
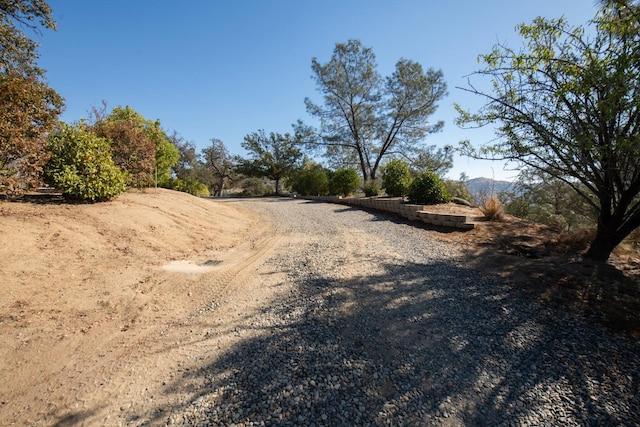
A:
[(483, 187)]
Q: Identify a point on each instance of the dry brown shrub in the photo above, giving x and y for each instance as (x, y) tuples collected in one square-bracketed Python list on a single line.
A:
[(492, 209), (576, 241)]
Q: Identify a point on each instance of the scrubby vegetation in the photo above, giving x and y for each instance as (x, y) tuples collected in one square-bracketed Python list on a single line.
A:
[(255, 187), (311, 180)]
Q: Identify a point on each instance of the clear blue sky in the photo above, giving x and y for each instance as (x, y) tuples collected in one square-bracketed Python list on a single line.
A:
[(226, 68)]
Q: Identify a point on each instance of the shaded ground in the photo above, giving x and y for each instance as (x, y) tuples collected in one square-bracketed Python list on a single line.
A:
[(383, 327), (542, 259)]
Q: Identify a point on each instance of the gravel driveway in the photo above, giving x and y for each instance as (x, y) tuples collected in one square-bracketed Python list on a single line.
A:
[(380, 326)]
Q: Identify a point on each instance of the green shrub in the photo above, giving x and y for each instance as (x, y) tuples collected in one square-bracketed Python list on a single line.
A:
[(344, 182), (255, 187), (396, 178), (428, 189), (371, 189), (81, 165), (191, 186), (311, 181)]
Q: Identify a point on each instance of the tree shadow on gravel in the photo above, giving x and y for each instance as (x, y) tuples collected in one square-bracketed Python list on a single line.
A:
[(597, 290), (415, 344)]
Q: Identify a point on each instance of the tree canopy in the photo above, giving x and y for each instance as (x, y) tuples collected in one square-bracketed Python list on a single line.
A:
[(18, 52), (29, 110), (139, 146), (366, 117), (432, 158), (190, 173), (220, 163), (567, 104), (274, 156)]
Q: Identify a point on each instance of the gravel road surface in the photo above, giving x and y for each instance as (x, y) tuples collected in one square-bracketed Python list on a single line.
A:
[(376, 325)]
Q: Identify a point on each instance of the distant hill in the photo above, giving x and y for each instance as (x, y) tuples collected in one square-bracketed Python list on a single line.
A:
[(482, 187)]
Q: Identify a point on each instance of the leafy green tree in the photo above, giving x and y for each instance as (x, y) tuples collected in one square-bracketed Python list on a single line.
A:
[(396, 178), (221, 164), (365, 117), (274, 156), (29, 110), (190, 173), (81, 165), (344, 182), (566, 106), (140, 146), (18, 53), (188, 161), (428, 189), (167, 154)]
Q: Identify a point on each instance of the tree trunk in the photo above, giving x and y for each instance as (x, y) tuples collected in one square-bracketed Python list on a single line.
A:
[(372, 176), (602, 246), (277, 180), (613, 227), (365, 172)]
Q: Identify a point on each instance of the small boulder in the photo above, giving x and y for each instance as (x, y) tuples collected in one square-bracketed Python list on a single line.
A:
[(459, 201)]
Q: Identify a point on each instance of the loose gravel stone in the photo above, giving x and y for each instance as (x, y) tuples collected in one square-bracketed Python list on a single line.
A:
[(382, 327)]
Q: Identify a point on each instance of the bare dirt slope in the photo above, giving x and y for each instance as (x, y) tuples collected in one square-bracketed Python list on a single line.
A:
[(93, 296)]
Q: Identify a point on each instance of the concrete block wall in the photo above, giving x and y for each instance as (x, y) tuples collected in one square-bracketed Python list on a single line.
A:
[(397, 206)]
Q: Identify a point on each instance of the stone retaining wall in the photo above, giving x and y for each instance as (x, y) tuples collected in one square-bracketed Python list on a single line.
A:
[(397, 206)]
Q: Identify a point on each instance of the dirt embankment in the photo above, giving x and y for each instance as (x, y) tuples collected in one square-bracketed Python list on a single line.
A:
[(88, 289)]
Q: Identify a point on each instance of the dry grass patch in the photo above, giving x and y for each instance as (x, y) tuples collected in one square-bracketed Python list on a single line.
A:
[(492, 209)]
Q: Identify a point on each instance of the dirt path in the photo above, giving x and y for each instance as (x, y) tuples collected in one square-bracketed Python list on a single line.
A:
[(100, 302)]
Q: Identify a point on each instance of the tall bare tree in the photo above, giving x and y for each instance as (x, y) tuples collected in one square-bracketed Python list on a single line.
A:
[(365, 117)]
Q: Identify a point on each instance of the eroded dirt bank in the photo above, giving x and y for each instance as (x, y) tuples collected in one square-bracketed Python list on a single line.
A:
[(90, 317)]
